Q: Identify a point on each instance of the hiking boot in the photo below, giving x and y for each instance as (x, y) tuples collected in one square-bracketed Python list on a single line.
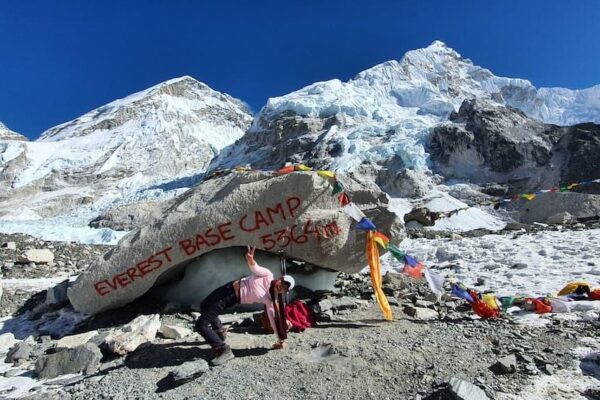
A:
[(223, 355)]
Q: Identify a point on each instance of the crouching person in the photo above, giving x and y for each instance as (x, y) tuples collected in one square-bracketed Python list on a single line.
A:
[(259, 287)]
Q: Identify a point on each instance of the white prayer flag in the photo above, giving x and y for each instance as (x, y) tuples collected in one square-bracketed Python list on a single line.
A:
[(435, 281), (353, 211)]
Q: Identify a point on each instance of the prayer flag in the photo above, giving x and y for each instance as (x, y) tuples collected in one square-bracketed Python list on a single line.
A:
[(461, 292), (506, 302), (337, 188), (435, 281), (491, 301), (560, 305), (410, 261), (483, 310), (326, 174), (396, 252), (286, 170), (344, 199), (353, 211), (302, 167), (381, 239), (366, 225), (414, 271), (375, 270)]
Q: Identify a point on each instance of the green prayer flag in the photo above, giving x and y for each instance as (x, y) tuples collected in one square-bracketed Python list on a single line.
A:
[(337, 188), (396, 252), (506, 302)]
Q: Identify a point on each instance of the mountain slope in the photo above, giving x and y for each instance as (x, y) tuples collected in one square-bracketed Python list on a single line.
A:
[(383, 116), (137, 148), (7, 134)]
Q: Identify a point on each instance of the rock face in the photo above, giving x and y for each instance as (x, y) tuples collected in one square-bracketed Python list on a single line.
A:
[(293, 212), (486, 143)]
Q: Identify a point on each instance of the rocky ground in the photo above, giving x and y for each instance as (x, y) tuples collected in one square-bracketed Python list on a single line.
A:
[(431, 350)]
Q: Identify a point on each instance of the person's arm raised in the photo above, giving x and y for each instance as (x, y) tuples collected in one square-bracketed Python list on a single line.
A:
[(254, 267)]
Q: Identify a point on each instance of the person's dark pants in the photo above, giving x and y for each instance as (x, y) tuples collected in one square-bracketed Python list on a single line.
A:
[(214, 304)]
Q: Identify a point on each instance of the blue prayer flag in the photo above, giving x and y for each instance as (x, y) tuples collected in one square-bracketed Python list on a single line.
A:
[(366, 225)]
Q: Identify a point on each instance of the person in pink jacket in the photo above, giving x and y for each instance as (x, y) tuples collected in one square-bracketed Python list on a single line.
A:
[(259, 287)]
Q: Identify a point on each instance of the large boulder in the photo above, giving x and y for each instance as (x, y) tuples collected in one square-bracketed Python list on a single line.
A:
[(294, 212), (41, 256), (545, 207)]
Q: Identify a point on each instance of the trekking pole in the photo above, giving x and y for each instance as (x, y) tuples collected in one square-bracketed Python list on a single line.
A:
[(283, 269)]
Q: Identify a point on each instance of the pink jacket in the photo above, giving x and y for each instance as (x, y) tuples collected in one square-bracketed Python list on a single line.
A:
[(255, 289)]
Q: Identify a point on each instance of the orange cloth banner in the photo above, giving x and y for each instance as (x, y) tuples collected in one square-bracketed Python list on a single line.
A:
[(375, 269)]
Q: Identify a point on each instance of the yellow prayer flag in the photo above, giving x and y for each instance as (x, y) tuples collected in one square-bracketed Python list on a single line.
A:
[(326, 174), (572, 287), (375, 269), (491, 301), (381, 239), (302, 167)]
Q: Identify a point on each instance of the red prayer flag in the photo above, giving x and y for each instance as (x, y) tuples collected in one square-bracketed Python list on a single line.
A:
[(344, 199)]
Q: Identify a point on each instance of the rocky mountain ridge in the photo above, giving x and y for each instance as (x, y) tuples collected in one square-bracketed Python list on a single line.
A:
[(483, 143), (145, 142), (7, 134), (381, 120)]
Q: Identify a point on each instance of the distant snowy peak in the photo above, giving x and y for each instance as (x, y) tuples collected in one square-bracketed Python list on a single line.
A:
[(173, 102), (148, 144), (7, 134), (433, 81)]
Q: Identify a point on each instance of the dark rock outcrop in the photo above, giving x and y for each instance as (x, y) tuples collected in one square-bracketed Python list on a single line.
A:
[(485, 143)]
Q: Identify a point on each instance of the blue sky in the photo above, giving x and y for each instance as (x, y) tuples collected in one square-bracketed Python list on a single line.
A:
[(60, 59)]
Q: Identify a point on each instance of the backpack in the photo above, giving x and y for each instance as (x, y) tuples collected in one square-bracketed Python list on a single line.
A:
[(299, 315)]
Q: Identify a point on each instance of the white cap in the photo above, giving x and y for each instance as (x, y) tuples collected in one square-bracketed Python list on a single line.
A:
[(289, 280)]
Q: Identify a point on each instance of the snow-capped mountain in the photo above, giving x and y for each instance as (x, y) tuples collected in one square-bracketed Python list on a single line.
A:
[(7, 134), (156, 143), (132, 149), (384, 115)]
